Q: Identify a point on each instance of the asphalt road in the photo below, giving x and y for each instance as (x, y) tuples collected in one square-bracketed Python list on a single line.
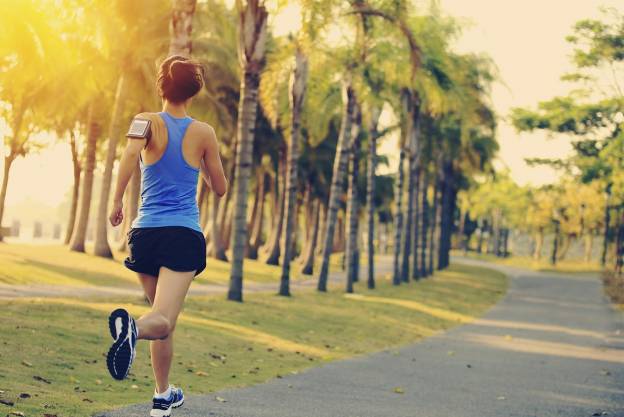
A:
[(553, 347)]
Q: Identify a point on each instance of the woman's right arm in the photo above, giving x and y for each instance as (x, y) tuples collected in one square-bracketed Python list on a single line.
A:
[(211, 166)]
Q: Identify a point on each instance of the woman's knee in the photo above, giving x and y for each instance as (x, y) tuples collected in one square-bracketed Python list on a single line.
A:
[(162, 325)]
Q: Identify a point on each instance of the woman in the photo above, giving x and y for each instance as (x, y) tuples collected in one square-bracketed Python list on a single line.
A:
[(167, 247)]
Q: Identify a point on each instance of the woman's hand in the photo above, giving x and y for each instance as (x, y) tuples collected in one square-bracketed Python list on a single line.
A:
[(116, 216)]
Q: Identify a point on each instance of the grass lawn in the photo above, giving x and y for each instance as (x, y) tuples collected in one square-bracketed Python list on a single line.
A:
[(56, 265), (568, 266), (52, 349)]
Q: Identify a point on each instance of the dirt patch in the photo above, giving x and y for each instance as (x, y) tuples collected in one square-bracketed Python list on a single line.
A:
[(614, 286)]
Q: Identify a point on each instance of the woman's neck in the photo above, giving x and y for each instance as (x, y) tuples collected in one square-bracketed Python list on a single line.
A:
[(176, 110)]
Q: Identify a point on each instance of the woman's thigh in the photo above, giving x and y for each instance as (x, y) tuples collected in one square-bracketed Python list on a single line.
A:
[(171, 291)]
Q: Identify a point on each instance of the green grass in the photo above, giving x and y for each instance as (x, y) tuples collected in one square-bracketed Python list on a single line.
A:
[(567, 266), (56, 265), (219, 344)]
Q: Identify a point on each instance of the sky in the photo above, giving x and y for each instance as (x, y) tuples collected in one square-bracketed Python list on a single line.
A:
[(525, 38)]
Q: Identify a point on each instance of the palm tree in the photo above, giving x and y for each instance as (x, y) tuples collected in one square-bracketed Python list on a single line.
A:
[(297, 97), (102, 247), (398, 219), (351, 252), (93, 133), (339, 173), (370, 195), (252, 41), (31, 52), (149, 33), (181, 27)]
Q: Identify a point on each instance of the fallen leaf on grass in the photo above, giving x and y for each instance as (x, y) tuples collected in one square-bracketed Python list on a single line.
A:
[(98, 382), (134, 386), (26, 363), (221, 399), (16, 413), (41, 379), (7, 402), (201, 373), (398, 390)]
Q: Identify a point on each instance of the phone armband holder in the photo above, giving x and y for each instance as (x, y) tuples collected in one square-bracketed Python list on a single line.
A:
[(140, 129)]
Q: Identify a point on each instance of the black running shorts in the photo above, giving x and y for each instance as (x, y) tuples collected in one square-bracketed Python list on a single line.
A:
[(175, 247)]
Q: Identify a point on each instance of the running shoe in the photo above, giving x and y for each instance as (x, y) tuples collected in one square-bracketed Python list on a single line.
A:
[(121, 354), (161, 407)]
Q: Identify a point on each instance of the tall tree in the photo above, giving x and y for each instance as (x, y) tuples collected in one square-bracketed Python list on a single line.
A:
[(339, 174), (297, 96), (181, 27), (352, 211), (252, 48)]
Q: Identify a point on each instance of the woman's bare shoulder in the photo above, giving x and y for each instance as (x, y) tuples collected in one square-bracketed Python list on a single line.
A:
[(204, 130)]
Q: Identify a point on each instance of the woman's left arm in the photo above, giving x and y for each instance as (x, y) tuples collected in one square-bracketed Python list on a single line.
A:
[(129, 160)]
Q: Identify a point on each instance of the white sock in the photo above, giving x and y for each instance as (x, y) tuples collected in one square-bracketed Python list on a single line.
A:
[(163, 395)]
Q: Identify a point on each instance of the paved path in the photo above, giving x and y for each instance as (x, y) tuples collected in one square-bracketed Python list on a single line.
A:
[(552, 347)]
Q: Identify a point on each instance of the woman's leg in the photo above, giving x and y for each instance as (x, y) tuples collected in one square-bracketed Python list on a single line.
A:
[(160, 323), (161, 351)]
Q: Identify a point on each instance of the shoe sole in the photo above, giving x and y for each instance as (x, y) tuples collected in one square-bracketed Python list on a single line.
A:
[(120, 351), (161, 413), (178, 404), (112, 328)]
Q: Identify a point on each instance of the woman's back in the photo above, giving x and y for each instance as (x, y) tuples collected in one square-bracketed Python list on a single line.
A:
[(169, 181)]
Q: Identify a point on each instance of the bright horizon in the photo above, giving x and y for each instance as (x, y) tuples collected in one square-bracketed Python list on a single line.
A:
[(524, 40)]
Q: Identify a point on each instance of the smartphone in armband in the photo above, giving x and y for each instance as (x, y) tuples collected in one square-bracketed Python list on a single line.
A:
[(140, 129)]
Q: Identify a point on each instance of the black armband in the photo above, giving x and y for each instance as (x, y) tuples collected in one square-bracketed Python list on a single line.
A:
[(140, 129)]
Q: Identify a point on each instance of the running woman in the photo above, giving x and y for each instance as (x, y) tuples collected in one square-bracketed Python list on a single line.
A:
[(166, 244)]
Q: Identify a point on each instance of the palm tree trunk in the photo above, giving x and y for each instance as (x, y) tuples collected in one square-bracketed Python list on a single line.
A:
[(16, 127), (76, 188), (446, 215), (181, 27), (102, 247), (256, 226), (539, 244), (308, 256), (8, 161), (252, 41), (322, 221), (352, 210), (339, 173), (299, 79), (80, 231), (415, 225), (589, 246), (370, 194), (412, 180), (425, 227), (132, 205), (398, 222), (435, 212), (607, 219), (216, 241), (273, 243)]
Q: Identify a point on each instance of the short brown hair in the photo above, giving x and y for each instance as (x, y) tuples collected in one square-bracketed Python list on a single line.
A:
[(179, 78)]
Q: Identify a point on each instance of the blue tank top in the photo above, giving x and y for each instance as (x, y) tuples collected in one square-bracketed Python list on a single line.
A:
[(169, 186)]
